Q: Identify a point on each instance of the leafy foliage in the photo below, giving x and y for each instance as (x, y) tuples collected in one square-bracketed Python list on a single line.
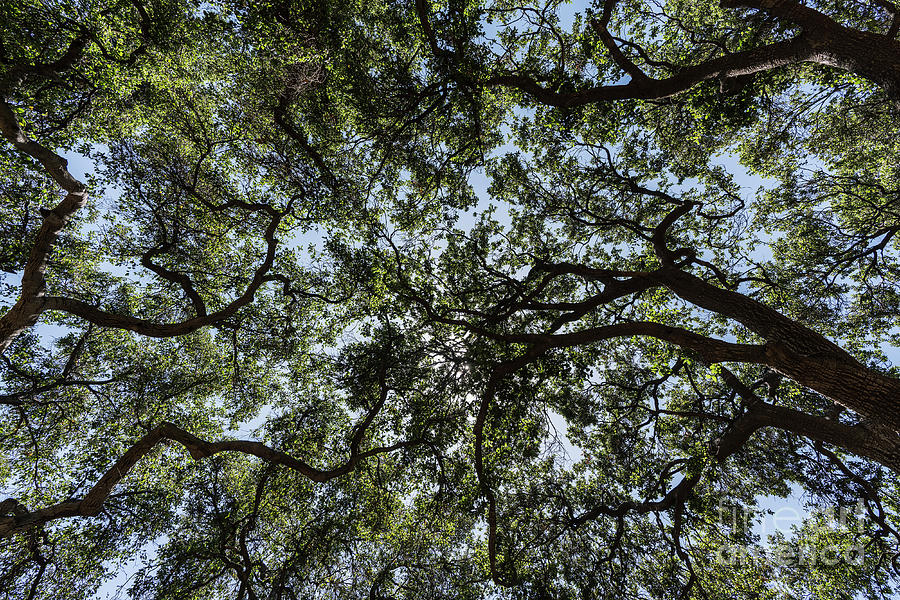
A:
[(448, 299)]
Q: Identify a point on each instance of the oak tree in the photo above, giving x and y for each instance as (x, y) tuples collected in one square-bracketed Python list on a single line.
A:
[(449, 299)]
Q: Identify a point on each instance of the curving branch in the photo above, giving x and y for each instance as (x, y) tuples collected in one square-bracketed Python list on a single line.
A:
[(33, 300), (790, 10), (791, 348), (282, 119), (14, 518), (734, 65), (668, 257), (710, 349), (175, 277), (677, 496), (821, 41), (30, 303), (149, 328), (49, 70), (601, 27)]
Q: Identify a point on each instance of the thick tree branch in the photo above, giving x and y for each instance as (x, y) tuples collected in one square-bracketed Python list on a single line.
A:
[(28, 306), (880, 446), (668, 257), (710, 349), (733, 65), (822, 41), (795, 350)]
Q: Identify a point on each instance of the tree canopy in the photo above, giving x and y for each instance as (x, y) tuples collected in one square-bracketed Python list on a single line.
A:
[(449, 299)]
